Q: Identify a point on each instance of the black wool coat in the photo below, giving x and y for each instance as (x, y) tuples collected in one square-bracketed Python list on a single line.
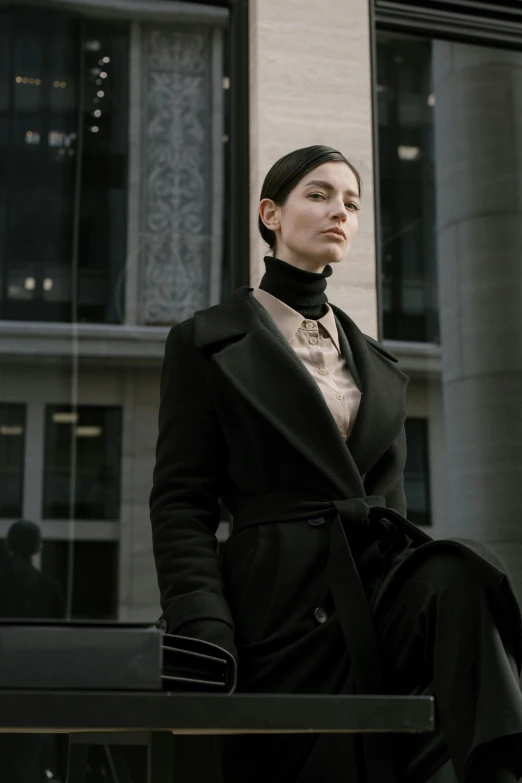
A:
[(242, 419)]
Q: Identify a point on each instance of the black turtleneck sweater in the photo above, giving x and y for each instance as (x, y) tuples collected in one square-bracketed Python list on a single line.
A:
[(303, 291)]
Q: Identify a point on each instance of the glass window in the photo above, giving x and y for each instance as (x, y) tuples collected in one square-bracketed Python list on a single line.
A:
[(82, 462), (102, 219), (417, 472), (85, 598), (12, 440), (407, 250), (119, 763), (63, 166)]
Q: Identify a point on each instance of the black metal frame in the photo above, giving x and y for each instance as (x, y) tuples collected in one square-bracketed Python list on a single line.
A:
[(239, 239), (487, 23), (376, 166)]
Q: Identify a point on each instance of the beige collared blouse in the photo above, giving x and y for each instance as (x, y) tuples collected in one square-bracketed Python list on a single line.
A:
[(316, 343)]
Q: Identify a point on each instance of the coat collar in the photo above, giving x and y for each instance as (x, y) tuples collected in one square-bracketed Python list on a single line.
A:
[(245, 343)]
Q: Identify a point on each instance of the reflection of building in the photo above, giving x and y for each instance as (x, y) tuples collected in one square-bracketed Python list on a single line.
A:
[(114, 173), (118, 151)]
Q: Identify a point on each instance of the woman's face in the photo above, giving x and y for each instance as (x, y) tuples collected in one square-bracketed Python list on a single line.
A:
[(326, 198)]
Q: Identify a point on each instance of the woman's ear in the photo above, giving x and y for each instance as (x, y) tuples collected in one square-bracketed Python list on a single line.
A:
[(269, 213)]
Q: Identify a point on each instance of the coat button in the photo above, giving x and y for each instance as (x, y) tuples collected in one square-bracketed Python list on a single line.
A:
[(315, 522), (320, 615)]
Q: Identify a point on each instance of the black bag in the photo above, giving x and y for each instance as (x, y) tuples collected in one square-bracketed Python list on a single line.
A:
[(195, 665), (98, 655)]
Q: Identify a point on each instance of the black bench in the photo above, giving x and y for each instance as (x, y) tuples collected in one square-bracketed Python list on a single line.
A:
[(152, 718)]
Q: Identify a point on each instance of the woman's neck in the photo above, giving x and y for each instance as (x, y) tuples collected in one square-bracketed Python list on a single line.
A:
[(301, 290)]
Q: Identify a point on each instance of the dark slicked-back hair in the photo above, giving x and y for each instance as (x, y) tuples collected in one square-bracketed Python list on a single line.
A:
[(289, 170)]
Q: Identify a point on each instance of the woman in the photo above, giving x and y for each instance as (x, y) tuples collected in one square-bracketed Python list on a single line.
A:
[(276, 403)]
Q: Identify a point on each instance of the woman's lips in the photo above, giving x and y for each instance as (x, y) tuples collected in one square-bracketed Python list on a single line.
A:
[(334, 234)]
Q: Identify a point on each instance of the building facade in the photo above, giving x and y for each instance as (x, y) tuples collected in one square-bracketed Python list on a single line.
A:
[(134, 138), (115, 125)]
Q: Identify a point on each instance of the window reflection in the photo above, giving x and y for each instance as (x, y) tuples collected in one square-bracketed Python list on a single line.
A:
[(407, 188), (90, 599), (64, 161), (12, 439), (417, 472), (102, 225), (82, 463), (63, 587), (62, 185), (26, 592)]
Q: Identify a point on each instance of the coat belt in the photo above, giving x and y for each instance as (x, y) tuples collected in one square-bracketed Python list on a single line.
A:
[(369, 531), (364, 536)]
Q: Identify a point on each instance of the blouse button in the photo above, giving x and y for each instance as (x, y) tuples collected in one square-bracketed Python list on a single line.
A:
[(309, 325), (340, 396), (323, 371), (313, 340)]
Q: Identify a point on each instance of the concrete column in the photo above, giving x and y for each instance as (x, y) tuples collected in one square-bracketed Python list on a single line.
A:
[(310, 83), (478, 140)]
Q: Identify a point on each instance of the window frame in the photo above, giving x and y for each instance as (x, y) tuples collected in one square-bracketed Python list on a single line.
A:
[(466, 20), (463, 23)]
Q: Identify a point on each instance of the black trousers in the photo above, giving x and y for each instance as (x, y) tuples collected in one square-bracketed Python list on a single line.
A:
[(442, 634), (439, 633)]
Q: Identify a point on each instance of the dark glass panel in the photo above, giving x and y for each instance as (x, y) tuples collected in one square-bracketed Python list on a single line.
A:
[(94, 578), (407, 188), (117, 764), (40, 164), (103, 209), (12, 441), (93, 492), (417, 472), (62, 184)]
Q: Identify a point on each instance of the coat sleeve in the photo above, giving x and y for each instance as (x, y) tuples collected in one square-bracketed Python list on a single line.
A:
[(184, 510), (396, 497)]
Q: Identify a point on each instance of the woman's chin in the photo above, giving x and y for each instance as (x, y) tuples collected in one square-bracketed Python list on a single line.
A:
[(333, 255)]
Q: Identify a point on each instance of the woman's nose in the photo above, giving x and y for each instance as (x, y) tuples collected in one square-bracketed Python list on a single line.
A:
[(340, 211)]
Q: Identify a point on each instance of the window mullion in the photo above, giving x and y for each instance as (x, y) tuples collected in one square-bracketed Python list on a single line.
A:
[(75, 249)]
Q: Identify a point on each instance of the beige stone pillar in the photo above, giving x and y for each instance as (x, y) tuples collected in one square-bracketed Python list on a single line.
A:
[(478, 132), (310, 83)]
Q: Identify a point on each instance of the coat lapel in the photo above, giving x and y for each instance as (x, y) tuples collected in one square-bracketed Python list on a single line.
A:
[(251, 352), (383, 403)]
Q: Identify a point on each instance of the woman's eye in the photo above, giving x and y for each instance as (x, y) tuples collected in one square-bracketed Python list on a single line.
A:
[(355, 207)]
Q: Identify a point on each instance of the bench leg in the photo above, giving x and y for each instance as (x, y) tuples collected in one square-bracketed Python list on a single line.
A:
[(161, 758)]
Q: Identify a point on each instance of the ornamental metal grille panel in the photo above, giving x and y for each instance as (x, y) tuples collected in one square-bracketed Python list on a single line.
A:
[(178, 171)]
